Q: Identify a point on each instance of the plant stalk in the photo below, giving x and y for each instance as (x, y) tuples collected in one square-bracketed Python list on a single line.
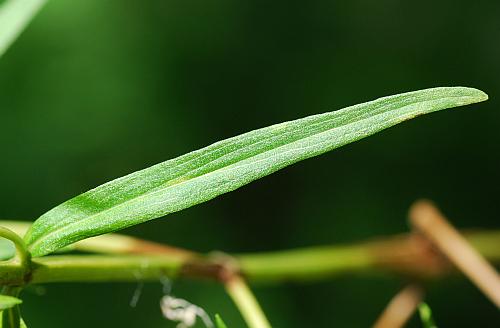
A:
[(246, 303), (403, 255), (22, 252)]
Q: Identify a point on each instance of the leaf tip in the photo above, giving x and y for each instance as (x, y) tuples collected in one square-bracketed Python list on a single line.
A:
[(481, 95), (476, 95), (219, 322)]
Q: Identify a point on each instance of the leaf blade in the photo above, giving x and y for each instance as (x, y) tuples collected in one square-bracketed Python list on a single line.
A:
[(7, 302), (219, 323), (425, 314), (227, 165)]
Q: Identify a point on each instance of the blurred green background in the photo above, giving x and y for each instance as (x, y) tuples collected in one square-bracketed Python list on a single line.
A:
[(96, 89)]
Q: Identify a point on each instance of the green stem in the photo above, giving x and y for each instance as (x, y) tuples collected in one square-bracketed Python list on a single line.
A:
[(246, 303), (306, 264), (22, 252), (403, 254), (400, 255), (101, 268)]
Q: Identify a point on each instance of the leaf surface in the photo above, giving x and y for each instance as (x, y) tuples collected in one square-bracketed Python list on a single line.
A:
[(224, 166)]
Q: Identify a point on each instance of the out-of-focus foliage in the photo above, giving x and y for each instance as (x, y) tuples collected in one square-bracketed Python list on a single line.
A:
[(219, 323), (15, 15), (93, 90), (7, 302), (7, 249), (425, 313)]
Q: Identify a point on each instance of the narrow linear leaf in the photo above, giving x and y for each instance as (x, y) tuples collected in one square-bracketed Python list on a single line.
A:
[(7, 302), (426, 316), (227, 165), (7, 249), (11, 317), (219, 323), (22, 323), (15, 15), (111, 243)]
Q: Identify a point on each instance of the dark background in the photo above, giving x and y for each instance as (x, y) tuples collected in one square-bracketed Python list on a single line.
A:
[(95, 89)]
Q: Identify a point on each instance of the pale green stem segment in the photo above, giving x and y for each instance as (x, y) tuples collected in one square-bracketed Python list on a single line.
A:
[(100, 268), (314, 263), (246, 303), (18, 226), (22, 252), (306, 264), (15, 15)]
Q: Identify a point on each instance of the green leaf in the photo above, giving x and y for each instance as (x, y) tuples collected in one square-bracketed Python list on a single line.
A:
[(11, 317), (14, 17), (7, 302), (426, 316), (218, 322), (227, 165), (22, 323)]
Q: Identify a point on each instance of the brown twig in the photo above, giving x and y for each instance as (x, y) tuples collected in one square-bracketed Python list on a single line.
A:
[(400, 308), (427, 219)]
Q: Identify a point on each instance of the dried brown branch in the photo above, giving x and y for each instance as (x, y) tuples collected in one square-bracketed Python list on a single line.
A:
[(400, 308), (427, 219)]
